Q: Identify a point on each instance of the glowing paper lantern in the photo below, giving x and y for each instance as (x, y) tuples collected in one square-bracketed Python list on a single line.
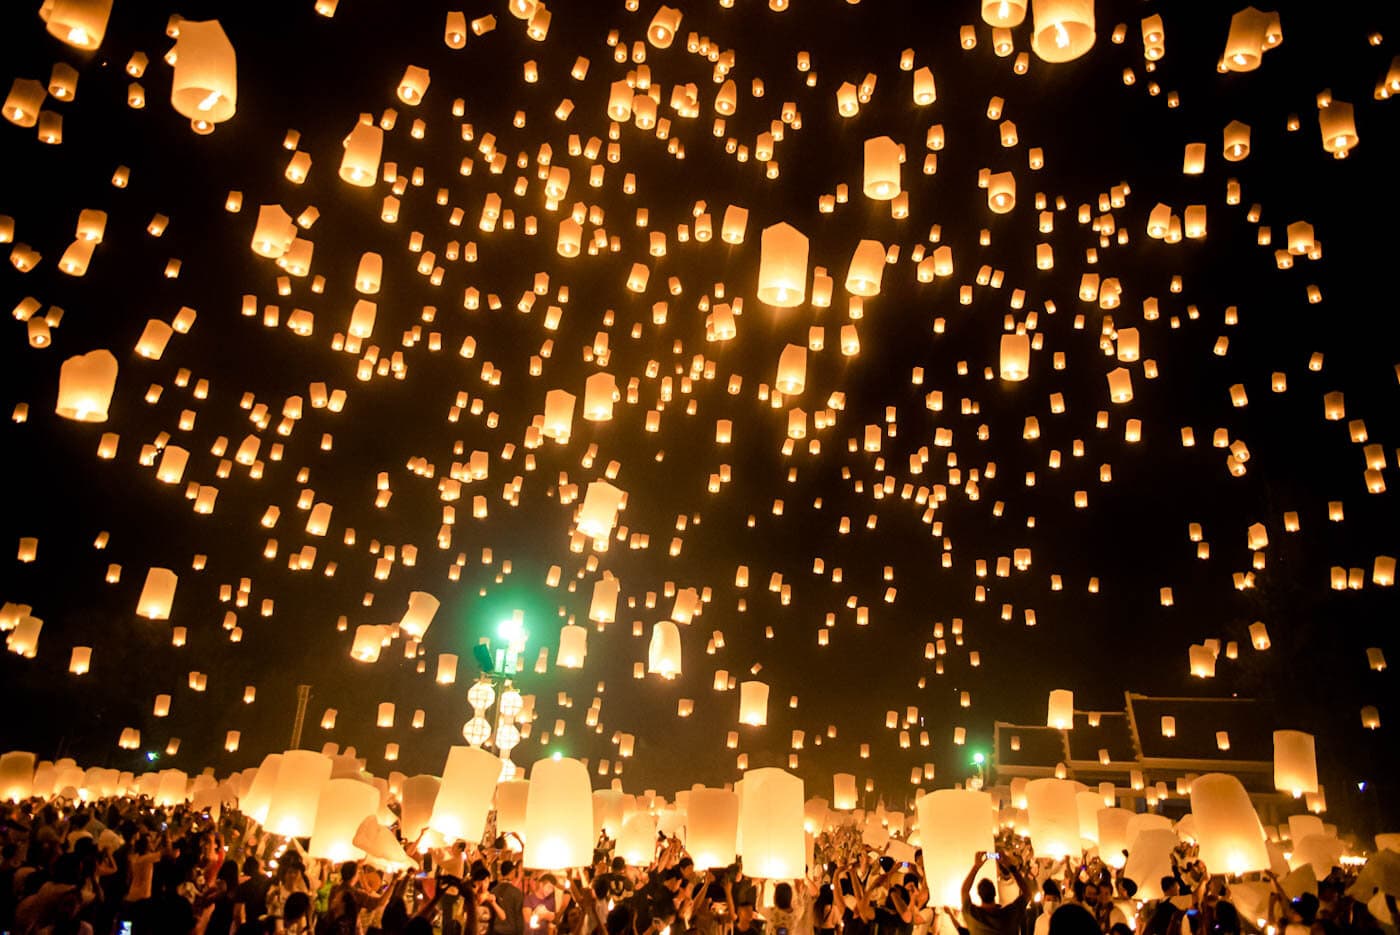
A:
[(1062, 29), (636, 843), (85, 386), (157, 594), (601, 501), (954, 824), (712, 827), (1245, 43), (664, 651), (254, 803), (1227, 828), (662, 30), (1060, 711), (573, 647), (205, 85), (79, 23), (1113, 834), (1003, 14), (511, 798), (291, 809), (882, 159), (416, 804), (753, 703), (558, 816), (422, 607), (782, 267), (792, 370), (770, 825), (1015, 357), (274, 232), (363, 147), (843, 792), (16, 775), (1053, 814), (867, 268), (464, 798), (343, 805), (1295, 762)]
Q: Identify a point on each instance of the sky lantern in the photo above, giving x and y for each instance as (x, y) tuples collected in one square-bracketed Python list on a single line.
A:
[(1015, 355), (422, 607), (664, 650), (157, 594), (1295, 762), (770, 824), (866, 269), (662, 31), (1061, 709), (1245, 42), (882, 159), (712, 825), (598, 513), (1337, 123), (1053, 812), (359, 165), (343, 804), (1003, 14), (85, 386), (79, 23), (1062, 30), (954, 824), (205, 86), (1227, 828), (753, 703), (782, 270), (296, 793), (558, 816), (274, 232), (464, 797), (573, 647)]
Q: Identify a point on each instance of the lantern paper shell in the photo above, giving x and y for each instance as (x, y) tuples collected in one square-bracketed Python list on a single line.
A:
[(782, 267), (882, 158), (416, 804), (1150, 858), (1062, 29), (843, 792), (422, 607), (1015, 357), (601, 501), (291, 809), (205, 85), (16, 775), (1053, 814), (80, 23), (343, 804), (464, 798), (1060, 712), (770, 824), (636, 843), (1295, 762), (85, 386), (1227, 828), (157, 594), (712, 827), (753, 703), (511, 798), (254, 802), (573, 647), (363, 147), (664, 652), (558, 816), (955, 824), (1113, 834)]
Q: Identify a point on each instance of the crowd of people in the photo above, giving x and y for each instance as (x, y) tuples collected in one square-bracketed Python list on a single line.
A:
[(124, 867)]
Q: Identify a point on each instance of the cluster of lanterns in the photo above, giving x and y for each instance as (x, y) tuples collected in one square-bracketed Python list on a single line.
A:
[(606, 398)]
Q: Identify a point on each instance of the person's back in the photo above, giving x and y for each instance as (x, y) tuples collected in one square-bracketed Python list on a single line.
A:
[(511, 901), (990, 918)]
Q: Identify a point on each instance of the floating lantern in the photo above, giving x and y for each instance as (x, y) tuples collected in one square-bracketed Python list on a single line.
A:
[(291, 809), (1295, 762), (955, 824), (205, 85), (85, 386), (753, 703), (343, 804), (882, 158), (1053, 813), (782, 268), (1060, 713), (558, 816), (1062, 30), (712, 825), (664, 651), (464, 798), (1227, 829), (770, 824)]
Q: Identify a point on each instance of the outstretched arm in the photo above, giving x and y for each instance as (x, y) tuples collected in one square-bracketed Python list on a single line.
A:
[(977, 863)]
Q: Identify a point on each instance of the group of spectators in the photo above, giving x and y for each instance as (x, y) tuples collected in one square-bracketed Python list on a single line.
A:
[(122, 866)]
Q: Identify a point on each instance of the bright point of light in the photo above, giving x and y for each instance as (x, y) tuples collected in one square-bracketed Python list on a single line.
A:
[(509, 629), (556, 755), (152, 756), (978, 759)]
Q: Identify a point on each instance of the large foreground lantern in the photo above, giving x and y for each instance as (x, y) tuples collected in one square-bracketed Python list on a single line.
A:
[(1227, 828), (1003, 14), (291, 809), (343, 804), (16, 775), (416, 804), (464, 798), (1150, 859), (712, 827), (205, 85), (511, 798), (80, 23), (770, 825), (782, 266), (1113, 834), (955, 824), (558, 816), (255, 800), (1295, 762), (1053, 813), (1062, 29), (636, 843), (85, 385)]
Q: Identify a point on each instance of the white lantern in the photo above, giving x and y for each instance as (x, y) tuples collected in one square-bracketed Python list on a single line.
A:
[(712, 827), (753, 703), (1295, 762), (422, 607), (343, 804), (664, 652), (770, 825), (1228, 831), (558, 816), (16, 776), (1053, 814), (636, 843), (291, 809), (955, 824), (464, 798), (573, 647)]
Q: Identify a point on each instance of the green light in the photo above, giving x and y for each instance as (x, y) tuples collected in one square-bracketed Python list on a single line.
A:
[(556, 755), (152, 756), (509, 629), (978, 759)]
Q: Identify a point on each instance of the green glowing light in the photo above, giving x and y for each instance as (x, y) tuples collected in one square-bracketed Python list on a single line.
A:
[(978, 759)]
